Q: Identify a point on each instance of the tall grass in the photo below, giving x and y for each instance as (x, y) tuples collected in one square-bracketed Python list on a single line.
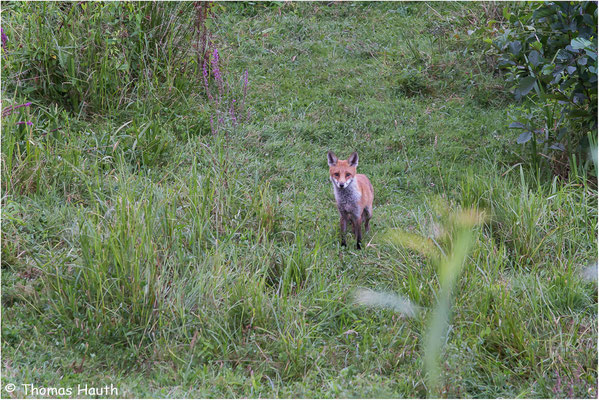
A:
[(535, 223), (96, 57)]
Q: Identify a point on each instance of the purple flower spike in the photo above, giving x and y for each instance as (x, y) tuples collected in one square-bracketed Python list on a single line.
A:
[(29, 123), (4, 38), (216, 71), (215, 54), (8, 110)]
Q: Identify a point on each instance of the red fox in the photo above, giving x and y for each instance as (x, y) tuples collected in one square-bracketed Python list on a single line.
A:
[(354, 195)]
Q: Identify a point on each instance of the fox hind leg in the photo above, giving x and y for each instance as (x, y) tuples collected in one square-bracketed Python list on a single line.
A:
[(366, 215), (357, 222)]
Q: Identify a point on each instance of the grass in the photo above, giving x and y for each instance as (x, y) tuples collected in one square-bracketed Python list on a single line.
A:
[(140, 249)]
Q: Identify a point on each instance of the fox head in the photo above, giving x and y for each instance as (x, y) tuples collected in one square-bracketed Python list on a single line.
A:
[(342, 172)]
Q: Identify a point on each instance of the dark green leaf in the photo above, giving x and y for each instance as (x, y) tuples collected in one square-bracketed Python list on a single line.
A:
[(537, 45), (543, 12), (515, 47), (564, 6), (580, 43), (547, 69), (563, 55), (592, 54), (524, 137), (503, 62), (587, 19), (534, 57), (525, 85), (517, 125)]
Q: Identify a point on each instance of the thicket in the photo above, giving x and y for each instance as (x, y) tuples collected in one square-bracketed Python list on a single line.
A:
[(548, 52)]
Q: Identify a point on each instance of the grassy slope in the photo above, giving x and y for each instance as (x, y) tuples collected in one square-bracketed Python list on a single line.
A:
[(388, 80)]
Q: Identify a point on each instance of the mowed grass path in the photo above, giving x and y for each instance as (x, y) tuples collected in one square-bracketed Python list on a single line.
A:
[(217, 271)]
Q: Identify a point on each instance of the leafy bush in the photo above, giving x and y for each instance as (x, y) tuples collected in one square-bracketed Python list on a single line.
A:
[(550, 55)]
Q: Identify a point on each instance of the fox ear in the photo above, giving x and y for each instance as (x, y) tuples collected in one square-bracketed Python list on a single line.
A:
[(353, 159), (332, 159)]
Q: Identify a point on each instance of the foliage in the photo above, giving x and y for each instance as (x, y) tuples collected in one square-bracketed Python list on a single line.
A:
[(95, 57), (549, 54)]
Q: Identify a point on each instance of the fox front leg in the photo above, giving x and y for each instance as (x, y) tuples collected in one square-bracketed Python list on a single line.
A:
[(343, 227), (357, 223)]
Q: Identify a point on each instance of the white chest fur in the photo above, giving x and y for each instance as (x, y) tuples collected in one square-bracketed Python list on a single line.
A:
[(348, 198)]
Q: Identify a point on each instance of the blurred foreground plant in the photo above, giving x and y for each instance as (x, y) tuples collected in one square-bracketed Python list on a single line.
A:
[(447, 250)]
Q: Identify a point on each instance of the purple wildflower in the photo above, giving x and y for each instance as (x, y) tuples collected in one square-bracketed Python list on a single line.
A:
[(4, 38), (216, 71), (29, 123), (8, 110), (215, 55)]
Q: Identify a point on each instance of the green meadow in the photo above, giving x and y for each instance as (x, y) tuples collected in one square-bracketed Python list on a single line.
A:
[(171, 229)]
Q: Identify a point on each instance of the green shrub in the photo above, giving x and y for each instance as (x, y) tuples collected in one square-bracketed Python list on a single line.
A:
[(549, 54)]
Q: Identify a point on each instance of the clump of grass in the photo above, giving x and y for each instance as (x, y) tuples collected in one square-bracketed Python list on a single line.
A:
[(23, 155), (533, 222), (412, 82), (80, 54)]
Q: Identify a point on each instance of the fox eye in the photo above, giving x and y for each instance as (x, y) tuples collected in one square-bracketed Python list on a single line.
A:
[(347, 175), (337, 174)]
